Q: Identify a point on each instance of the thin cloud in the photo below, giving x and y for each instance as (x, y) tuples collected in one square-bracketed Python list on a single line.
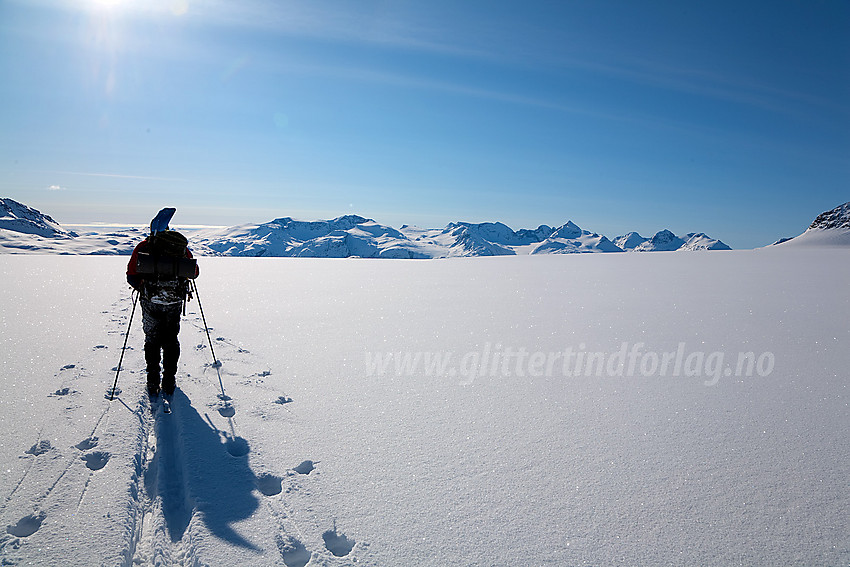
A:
[(120, 176), (55, 188)]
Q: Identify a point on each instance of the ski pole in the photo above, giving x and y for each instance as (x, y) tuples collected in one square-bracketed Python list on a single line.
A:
[(204, 319), (124, 348), (216, 364)]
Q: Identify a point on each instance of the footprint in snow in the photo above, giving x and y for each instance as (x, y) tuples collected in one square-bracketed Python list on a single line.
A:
[(96, 461), (230, 343), (39, 448), (87, 444), (27, 525), (61, 392), (269, 484), (226, 409), (68, 367), (283, 400), (293, 552), (337, 543), (237, 446), (306, 467)]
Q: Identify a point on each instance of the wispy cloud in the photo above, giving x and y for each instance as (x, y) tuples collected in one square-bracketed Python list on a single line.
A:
[(120, 176), (55, 188)]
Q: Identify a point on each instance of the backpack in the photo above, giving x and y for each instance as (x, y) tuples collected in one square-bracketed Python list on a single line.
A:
[(166, 266), (166, 256), (168, 243)]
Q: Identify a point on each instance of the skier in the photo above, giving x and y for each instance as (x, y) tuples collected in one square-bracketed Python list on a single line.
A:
[(160, 269)]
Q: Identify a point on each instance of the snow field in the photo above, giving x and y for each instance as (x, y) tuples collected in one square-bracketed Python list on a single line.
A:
[(315, 460)]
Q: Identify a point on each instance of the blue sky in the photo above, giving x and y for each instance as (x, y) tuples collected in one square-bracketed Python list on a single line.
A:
[(730, 118)]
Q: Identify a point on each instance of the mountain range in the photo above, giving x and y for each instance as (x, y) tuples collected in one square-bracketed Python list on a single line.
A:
[(26, 230)]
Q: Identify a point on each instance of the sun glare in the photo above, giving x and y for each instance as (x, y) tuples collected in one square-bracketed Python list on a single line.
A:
[(175, 7)]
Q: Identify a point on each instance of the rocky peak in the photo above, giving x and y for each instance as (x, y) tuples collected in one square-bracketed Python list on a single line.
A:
[(839, 217)]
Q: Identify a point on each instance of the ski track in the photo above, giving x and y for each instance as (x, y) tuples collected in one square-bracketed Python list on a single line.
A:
[(173, 500), (49, 465)]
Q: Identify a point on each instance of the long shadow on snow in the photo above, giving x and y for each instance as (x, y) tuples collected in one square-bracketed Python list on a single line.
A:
[(196, 473)]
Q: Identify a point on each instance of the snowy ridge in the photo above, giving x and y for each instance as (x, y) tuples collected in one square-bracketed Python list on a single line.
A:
[(701, 241), (630, 241), (16, 217), (839, 217), (342, 237), (830, 228), (570, 239), (348, 236), (666, 241)]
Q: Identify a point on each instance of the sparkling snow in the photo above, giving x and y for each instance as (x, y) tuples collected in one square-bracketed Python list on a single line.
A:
[(333, 444)]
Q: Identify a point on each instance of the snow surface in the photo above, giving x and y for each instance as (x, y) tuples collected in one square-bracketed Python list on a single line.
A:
[(316, 460)]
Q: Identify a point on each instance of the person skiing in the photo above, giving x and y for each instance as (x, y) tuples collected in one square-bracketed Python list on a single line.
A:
[(159, 269)]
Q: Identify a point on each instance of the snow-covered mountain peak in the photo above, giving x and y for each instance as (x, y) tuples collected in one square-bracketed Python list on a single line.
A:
[(17, 217), (661, 241), (569, 238), (499, 233), (701, 241), (345, 236), (568, 230), (630, 240)]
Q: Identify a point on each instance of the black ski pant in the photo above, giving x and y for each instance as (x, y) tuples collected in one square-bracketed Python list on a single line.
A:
[(161, 324)]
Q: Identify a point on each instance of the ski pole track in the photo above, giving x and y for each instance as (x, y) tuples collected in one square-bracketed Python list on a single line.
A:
[(42, 446), (53, 489), (42, 457), (235, 366)]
